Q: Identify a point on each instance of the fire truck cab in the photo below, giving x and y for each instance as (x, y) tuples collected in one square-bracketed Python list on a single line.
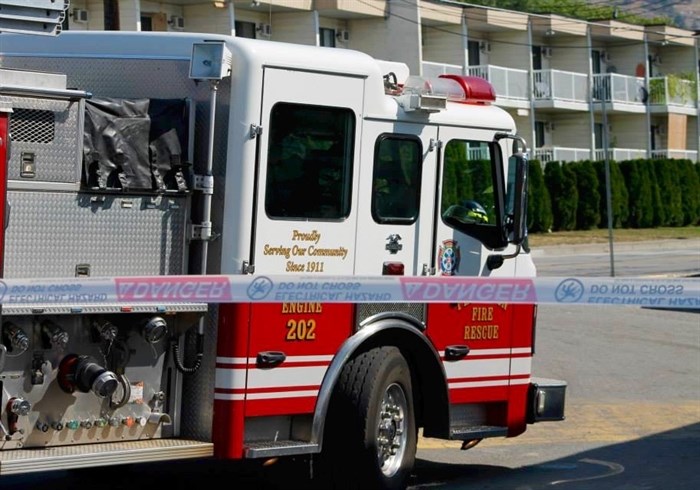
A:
[(154, 154)]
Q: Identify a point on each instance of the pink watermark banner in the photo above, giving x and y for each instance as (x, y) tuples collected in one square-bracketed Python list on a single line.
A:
[(636, 291)]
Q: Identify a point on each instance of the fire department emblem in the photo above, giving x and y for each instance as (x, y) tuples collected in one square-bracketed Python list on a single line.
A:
[(448, 257)]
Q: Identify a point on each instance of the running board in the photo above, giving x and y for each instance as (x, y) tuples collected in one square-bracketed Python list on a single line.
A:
[(28, 460), (470, 432), (273, 449)]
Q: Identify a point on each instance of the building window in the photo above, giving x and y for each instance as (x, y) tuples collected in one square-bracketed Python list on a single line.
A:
[(539, 134), (111, 8), (146, 23), (310, 156), (397, 178), (537, 57), (598, 135), (474, 53), (326, 37), (245, 29)]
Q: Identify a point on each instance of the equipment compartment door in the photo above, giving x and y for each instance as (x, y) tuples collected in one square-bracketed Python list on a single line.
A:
[(397, 199), (306, 209)]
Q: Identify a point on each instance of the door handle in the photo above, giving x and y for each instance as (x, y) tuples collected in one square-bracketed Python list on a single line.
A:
[(456, 352), (270, 359)]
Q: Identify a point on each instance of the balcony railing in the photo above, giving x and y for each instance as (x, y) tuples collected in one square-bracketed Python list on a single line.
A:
[(560, 85), (431, 69), (612, 87), (561, 154), (675, 154), (620, 154), (508, 82), (673, 91)]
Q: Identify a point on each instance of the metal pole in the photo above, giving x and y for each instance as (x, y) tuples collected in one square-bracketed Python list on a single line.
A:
[(608, 191)]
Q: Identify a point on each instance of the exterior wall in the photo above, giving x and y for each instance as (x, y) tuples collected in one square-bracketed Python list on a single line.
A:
[(206, 18), (387, 39), (673, 59), (626, 59), (510, 50), (299, 28), (628, 131), (443, 47), (574, 57), (96, 17), (571, 131)]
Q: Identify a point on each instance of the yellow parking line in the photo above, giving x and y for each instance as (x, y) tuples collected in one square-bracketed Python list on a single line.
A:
[(600, 422)]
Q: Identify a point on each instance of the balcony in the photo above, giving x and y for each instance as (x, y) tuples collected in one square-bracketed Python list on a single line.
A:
[(691, 155), (559, 89), (620, 154), (561, 154), (433, 70), (510, 84), (673, 94), (622, 92)]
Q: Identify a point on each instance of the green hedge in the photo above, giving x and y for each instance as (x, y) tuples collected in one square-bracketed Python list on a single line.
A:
[(644, 194)]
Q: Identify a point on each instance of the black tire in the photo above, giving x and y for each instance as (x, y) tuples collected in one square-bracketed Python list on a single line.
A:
[(371, 436)]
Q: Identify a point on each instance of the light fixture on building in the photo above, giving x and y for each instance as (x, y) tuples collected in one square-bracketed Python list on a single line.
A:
[(220, 4)]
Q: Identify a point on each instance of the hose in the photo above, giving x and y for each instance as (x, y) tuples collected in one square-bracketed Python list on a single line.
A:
[(176, 355)]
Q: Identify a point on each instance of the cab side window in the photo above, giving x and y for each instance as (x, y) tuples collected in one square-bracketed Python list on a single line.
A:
[(468, 184), (310, 155), (396, 179)]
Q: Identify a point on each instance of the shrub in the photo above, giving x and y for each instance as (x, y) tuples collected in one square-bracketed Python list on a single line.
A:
[(539, 206), (618, 195), (587, 212), (560, 180), (640, 210)]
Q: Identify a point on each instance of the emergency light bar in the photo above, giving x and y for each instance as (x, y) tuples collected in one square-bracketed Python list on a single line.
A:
[(432, 94), (43, 17)]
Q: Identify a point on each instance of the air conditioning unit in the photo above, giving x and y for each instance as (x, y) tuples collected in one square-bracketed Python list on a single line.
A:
[(485, 47), (342, 36), (547, 52), (80, 16), (177, 22), (264, 30)]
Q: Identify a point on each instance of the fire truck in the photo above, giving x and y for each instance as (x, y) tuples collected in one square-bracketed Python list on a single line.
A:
[(155, 154)]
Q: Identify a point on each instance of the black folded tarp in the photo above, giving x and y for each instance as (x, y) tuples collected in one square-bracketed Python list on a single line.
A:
[(135, 144)]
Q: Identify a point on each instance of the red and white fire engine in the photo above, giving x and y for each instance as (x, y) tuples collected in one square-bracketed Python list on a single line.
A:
[(155, 154)]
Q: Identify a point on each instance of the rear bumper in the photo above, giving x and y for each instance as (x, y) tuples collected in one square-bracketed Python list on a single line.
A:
[(546, 399)]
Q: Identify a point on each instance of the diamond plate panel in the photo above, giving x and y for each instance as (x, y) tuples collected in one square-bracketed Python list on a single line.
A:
[(49, 233), (50, 130)]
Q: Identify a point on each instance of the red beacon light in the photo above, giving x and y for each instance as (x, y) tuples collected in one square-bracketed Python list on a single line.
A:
[(477, 90), (431, 94)]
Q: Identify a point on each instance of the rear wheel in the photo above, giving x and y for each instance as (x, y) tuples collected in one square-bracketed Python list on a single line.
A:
[(371, 433)]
